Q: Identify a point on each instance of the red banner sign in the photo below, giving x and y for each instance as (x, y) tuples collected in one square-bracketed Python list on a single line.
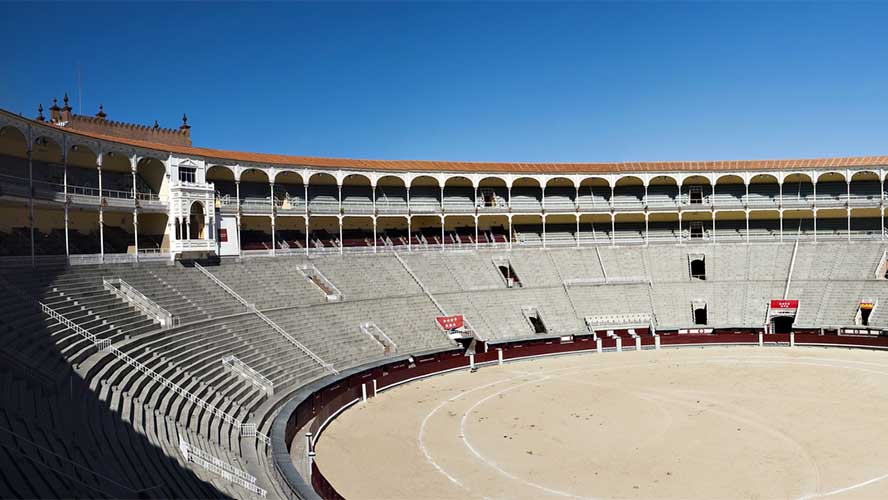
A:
[(784, 304), (450, 322)]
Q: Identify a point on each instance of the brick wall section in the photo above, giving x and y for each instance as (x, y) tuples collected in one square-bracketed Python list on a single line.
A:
[(94, 125)]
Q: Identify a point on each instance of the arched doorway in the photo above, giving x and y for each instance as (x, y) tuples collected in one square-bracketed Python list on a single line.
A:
[(196, 219)]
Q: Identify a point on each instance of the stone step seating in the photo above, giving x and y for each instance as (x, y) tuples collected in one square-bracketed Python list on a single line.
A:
[(147, 282), (75, 295), (191, 357), (212, 300), (367, 277), (269, 283), (78, 448)]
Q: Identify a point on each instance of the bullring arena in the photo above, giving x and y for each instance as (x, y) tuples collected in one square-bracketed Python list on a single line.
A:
[(186, 322), (733, 422)]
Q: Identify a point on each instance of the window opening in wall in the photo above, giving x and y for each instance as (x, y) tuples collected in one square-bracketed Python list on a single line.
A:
[(532, 314), (696, 230), (700, 313), (782, 324), (489, 198), (507, 272), (697, 266), (188, 174), (695, 195), (864, 311)]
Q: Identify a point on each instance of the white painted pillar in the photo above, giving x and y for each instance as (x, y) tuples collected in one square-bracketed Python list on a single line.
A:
[(780, 214), (306, 232), (363, 393), (472, 361), (747, 225), (375, 238), (761, 339), (578, 230), (31, 203), (341, 240), (637, 343), (238, 218), (598, 345), (273, 235), (65, 158), (476, 232), (544, 230), (135, 218), (510, 230), (791, 338), (409, 230), (656, 342), (442, 226), (101, 218), (619, 344), (613, 229), (499, 356), (374, 388)]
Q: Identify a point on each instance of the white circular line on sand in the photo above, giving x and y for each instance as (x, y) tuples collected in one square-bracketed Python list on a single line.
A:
[(493, 464), (425, 421)]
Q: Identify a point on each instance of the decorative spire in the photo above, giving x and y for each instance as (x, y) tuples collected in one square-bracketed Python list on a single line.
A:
[(40, 117), (55, 105), (156, 126), (184, 127), (101, 114), (67, 107)]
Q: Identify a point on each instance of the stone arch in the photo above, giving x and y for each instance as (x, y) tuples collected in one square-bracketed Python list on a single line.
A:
[(391, 194), (560, 193), (425, 194), (628, 192), (151, 174), (196, 214), (493, 194), (459, 194), (527, 194), (662, 191), (357, 194)]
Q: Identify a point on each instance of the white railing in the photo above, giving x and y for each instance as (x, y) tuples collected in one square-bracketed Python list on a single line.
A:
[(127, 292), (418, 282), (268, 321), (313, 274), (374, 332), (236, 365), (105, 346), (611, 321), (220, 468)]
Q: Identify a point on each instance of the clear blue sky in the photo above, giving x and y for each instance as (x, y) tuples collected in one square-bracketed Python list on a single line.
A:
[(495, 81)]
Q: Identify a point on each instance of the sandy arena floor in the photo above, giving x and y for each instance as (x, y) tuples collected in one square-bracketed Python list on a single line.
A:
[(730, 422)]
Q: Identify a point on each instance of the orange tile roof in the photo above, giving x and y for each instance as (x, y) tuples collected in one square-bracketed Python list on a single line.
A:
[(492, 167)]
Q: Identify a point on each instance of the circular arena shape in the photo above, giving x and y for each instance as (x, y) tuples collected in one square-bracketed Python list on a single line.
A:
[(714, 422)]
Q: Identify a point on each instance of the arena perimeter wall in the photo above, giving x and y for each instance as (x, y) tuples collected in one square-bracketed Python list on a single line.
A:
[(317, 403)]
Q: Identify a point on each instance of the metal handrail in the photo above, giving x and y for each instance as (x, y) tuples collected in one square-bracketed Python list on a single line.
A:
[(128, 293), (268, 321), (221, 468)]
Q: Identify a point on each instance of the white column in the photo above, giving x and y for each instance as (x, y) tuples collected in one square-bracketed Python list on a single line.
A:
[(713, 225), (619, 344), (31, 203), (306, 232), (101, 218), (135, 217), (544, 230), (647, 229), (656, 342), (510, 228), (273, 235), (188, 227), (747, 224), (613, 227), (476, 232), (409, 228), (442, 224), (499, 355), (815, 224), (598, 345), (373, 201), (442, 201), (680, 229), (339, 187), (375, 238), (238, 217), (341, 239), (65, 158), (780, 214), (578, 230)]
